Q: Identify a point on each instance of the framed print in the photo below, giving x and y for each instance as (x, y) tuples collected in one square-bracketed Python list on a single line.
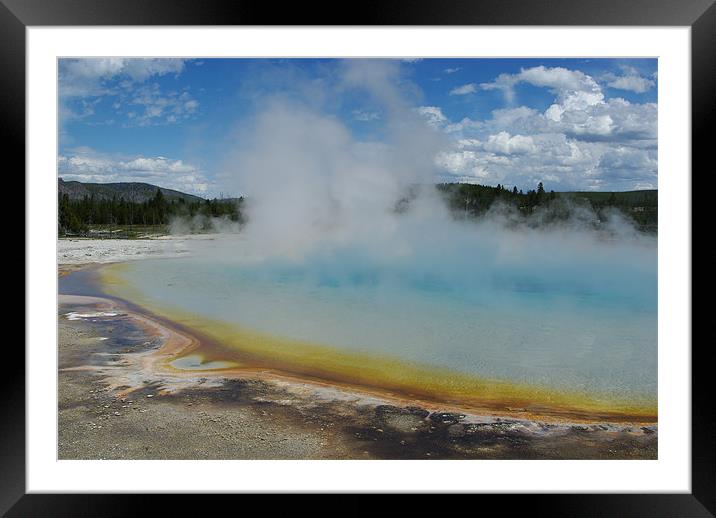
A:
[(422, 250)]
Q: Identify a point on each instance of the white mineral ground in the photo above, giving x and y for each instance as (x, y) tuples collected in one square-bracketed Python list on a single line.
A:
[(89, 251)]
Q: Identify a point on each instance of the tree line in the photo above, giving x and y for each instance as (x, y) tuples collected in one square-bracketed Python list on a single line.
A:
[(465, 200), (474, 200), (471, 201), (77, 216)]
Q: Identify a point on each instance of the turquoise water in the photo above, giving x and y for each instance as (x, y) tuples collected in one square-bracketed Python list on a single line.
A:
[(568, 315)]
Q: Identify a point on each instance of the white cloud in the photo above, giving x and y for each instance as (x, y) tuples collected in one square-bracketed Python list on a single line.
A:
[(581, 122), (562, 163), (464, 89), (88, 80), (522, 119), (630, 80), (465, 165), (505, 144), (88, 76), (452, 70), (558, 79), (581, 141), (87, 165), (574, 90), (433, 115), (632, 120), (160, 107), (580, 108), (626, 160)]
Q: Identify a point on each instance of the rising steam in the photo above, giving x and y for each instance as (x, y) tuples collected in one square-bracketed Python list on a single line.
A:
[(317, 194)]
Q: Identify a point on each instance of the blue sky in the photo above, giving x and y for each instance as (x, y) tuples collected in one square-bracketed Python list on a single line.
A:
[(574, 124)]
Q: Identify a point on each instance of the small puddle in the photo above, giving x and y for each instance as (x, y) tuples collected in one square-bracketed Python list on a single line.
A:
[(196, 363)]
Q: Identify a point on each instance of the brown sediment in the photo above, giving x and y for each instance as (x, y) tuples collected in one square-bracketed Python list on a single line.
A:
[(255, 419), (180, 339)]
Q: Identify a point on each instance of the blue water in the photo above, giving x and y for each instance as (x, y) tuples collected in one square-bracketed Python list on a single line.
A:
[(581, 318)]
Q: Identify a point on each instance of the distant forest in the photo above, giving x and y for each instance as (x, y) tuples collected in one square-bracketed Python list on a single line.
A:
[(83, 216), (472, 201), (78, 216)]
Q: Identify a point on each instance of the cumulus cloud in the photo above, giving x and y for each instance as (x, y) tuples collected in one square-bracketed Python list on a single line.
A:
[(505, 144), (452, 70), (614, 119), (581, 141), (561, 162), (464, 166), (464, 89), (630, 80), (627, 162), (87, 165), (636, 84), (580, 108), (433, 115)]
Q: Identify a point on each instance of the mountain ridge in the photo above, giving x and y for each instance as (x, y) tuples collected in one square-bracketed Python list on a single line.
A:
[(138, 192)]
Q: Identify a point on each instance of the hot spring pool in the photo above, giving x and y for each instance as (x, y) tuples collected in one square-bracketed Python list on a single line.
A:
[(582, 324)]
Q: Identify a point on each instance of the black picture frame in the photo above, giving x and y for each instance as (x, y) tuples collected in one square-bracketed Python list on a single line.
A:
[(700, 15)]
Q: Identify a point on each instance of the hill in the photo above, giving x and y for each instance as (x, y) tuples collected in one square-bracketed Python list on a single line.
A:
[(133, 209), (131, 191)]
